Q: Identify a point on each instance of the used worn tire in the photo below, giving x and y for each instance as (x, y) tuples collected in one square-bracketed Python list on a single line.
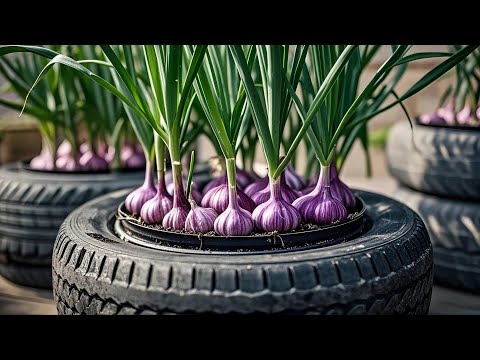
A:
[(454, 228), (387, 270), (32, 207), (443, 162)]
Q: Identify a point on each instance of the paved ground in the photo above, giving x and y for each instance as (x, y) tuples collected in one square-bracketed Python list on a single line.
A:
[(16, 300)]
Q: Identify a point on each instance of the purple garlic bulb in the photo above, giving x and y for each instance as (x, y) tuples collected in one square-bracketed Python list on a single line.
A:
[(234, 221), (464, 116), (91, 161), (155, 209), (293, 180), (64, 149), (339, 190), (287, 193), (67, 163), (447, 112), (175, 218), (42, 161), (319, 206), (136, 199), (432, 119), (214, 183), (257, 186), (243, 178), (218, 199), (200, 220), (308, 189), (126, 151), (135, 161), (84, 147), (276, 214), (109, 154)]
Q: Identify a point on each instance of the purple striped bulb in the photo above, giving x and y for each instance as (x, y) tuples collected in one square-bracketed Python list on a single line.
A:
[(43, 161), (91, 161), (447, 112), (276, 214), (214, 183), (135, 161), (175, 218), (67, 163), (319, 206), (155, 209), (287, 193), (200, 220), (339, 190), (465, 115), (84, 147), (137, 198), (64, 149), (256, 186), (234, 221), (293, 180), (243, 178), (432, 119), (218, 199)]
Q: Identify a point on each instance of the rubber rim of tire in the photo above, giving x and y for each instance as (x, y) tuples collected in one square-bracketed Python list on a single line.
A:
[(94, 272), (444, 162)]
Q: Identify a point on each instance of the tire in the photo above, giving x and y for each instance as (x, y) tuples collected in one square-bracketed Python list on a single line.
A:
[(446, 162), (454, 228), (32, 207), (387, 270)]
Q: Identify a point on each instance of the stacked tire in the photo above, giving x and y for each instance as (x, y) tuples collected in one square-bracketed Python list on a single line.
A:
[(33, 205), (439, 174)]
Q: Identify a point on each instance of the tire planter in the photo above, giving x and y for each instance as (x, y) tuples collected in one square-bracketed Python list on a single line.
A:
[(454, 228), (387, 269), (33, 205), (445, 162)]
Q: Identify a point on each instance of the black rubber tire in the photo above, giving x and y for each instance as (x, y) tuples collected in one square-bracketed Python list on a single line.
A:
[(454, 228), (33, 205), (445, 162), (388, 269)]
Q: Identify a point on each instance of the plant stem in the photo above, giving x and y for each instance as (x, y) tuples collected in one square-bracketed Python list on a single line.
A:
[(161, 161), (232, 181), (179, 198), (276, 188), (324, 178)]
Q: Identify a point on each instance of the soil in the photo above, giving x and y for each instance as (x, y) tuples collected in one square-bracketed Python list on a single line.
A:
[(302, 227)]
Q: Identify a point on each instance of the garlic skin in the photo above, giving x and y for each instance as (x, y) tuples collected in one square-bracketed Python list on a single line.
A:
[(276, 214), (319, 206), (465, 115), (200, 220), (155, 209), (67, 163), (214, 183), (136, 199), (43, 161), (287, 193), (256, 186), (64, 149), (339, 190), (218, 199), (293, 180), (90, 161), (175, 218), (234, 221)]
